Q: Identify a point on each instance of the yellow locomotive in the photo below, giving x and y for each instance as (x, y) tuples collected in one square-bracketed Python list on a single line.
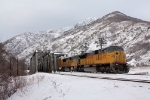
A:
[(110, 60)]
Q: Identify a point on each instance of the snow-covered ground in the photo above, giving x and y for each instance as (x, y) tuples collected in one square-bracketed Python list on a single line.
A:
[(45, 86)]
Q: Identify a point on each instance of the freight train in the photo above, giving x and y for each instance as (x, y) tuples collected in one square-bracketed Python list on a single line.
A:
[(108, 60)]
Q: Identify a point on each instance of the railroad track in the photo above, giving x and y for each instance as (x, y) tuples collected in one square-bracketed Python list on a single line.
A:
[(110, 78)]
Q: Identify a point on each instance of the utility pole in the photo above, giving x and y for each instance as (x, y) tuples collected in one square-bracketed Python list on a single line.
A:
[(102, 41), (85, 47)]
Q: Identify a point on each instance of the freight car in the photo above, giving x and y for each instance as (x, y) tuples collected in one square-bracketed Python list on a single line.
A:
[(110, 60), (45, 62)]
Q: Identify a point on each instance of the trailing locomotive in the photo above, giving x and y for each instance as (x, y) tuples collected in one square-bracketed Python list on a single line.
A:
[(110, 60)]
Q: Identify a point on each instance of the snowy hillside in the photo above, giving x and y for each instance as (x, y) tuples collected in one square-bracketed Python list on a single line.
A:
[(25, 44), (117, 28)]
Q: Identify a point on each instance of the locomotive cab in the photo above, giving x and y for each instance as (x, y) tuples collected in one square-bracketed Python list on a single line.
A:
[(117, 59), (117, 55)]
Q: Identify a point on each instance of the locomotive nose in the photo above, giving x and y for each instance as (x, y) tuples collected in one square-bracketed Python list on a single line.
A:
[(116, 56), (120, 57)]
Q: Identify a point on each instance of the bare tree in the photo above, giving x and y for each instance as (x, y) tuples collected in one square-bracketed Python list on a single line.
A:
[(10, 67)]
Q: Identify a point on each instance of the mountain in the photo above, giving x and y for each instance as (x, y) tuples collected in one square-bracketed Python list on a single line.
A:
[(117, 28)]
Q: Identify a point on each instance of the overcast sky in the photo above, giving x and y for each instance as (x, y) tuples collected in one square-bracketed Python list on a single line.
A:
[(20, 16)]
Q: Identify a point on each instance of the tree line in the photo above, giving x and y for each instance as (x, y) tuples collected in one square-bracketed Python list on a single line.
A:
[(10, 67)]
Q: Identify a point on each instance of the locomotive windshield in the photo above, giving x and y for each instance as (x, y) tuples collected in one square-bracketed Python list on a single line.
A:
[(114, 48)]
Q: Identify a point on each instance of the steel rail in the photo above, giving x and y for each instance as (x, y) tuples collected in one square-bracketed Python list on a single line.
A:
[(110, 78)]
